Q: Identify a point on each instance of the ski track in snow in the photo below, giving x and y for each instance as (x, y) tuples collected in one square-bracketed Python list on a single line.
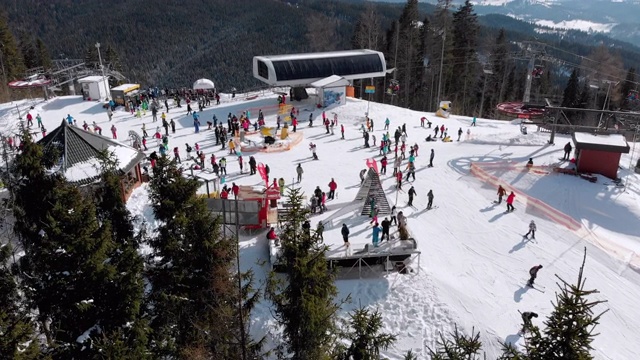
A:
[(474, 262)]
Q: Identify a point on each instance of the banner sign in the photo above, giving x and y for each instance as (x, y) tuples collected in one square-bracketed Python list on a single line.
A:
[(373, 164), (369, 89), (263, 174)]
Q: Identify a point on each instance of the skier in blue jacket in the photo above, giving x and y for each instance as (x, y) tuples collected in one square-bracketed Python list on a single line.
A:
[(376, 234)]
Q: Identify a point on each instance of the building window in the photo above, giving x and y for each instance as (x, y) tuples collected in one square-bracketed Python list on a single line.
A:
[(263, 70)]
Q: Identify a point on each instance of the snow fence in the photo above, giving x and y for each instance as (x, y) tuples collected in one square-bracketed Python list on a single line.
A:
[(621, 252)]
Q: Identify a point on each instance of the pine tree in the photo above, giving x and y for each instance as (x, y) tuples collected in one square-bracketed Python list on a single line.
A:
[(364, 333), (67, 271), (18, 340), (303, 302), (112, 58), (569, 330), (457, 346), (571, 94), (195, 297), (44, 59), (465, 30), (126, 327), (13, 63), (28, 51)]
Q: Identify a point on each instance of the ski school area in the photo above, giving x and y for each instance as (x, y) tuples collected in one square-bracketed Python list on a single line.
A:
[(466, 261)]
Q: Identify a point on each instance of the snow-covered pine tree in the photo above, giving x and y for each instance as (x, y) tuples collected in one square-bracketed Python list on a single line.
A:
[(194, 296), (304, 300), (569, 330)]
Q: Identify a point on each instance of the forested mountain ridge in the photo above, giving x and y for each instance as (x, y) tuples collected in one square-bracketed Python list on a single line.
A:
[(172, 43)]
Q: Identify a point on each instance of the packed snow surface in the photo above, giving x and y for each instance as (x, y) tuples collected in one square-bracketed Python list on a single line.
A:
[(474, 259)]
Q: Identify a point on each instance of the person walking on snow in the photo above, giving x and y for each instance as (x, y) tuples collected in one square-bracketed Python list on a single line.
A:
[(345, 234), (385, 229), (526, 321), (299, 171), (386, 124), (533, 272), (342, 131), (532, 230), (567, 151), (510, 199), (114, 131), (433, 154), (473, 122), (394, 216), (412, 193), (376, 234), (501, 192), (332, 189), (459, 133), (430, 197), (196, 122), (173, 126)]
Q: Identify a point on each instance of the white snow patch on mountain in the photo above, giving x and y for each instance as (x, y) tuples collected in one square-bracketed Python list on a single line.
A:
[(582, 25)]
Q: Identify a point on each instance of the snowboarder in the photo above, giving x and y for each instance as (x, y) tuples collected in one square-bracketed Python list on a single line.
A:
[(532, 230), (534, 273), (567, 151), (510, 199), (433, 154), (526, 320), (430, 197), (345, 234), (501, 192), (299, 171), (332, 189)]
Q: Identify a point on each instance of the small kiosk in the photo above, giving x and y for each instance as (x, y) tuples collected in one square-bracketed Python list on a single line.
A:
[(120, 94), (94, 87)]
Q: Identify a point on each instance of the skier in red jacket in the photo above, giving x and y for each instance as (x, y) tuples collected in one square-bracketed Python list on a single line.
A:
[(510, 199), (332, 189)]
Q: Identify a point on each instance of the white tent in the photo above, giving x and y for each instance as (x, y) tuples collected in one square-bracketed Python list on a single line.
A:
[(203, 84)]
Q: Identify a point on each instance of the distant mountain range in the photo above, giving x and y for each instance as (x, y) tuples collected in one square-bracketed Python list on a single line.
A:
[(618, 18)]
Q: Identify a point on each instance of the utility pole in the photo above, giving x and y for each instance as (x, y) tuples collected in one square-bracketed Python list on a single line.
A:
[(106, 88), (486, 75)]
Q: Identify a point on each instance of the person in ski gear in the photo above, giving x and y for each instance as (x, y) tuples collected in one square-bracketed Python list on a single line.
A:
[(433, 154), (567, 151), (320, 230), (532, 230), (526, 320), (473, 122), (533, 272), (530, 163), (345, 234), (281, 186), (386, 224), (332, 189), (362, 172), (399, 180), (386, 124), (383, 166), (430, 197), (412, 193), (501, 192), (299, 171), (510, 199), (312, 147), (411, 170), (173, 126), (394, 218), (176, 154), (396, 165), (459, 133), (342, 131), (376, 234), (442, 129), (235, 189), (114, 131)]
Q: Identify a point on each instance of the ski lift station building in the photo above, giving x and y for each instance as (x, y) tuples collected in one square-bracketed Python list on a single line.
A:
[(304, 69), (328, 72)]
